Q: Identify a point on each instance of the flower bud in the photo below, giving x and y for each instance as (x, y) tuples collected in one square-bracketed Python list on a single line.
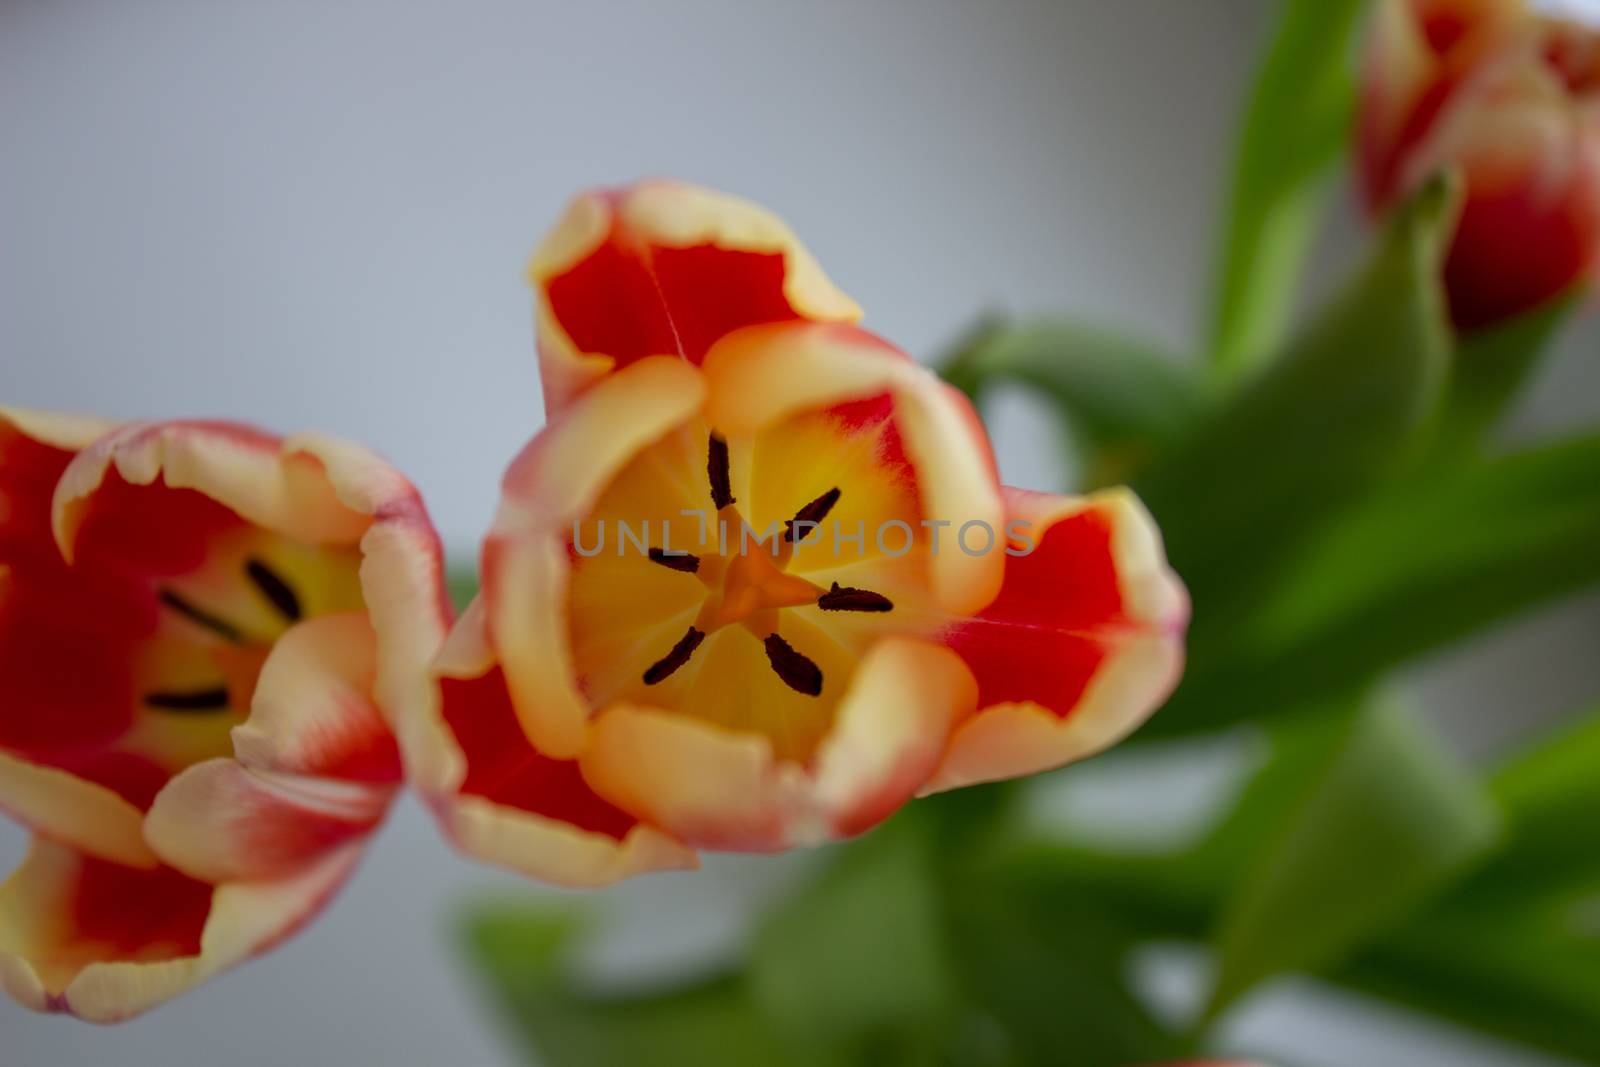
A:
[(1511, 100)]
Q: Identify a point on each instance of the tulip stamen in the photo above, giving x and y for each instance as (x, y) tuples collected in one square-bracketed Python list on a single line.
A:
[(200, 617), (662, 669), (717, 472), (812, 514), (849, 598), (275, 589), (215, 699), (687, 562), (797, 670)]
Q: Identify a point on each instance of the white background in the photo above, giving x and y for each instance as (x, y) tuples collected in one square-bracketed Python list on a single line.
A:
[(317, 215)]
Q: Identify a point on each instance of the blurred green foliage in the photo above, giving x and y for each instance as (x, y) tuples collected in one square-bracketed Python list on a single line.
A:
[(1374, 819), (1332, 499), (1122, 401), (1296, 126), (1336, 415)]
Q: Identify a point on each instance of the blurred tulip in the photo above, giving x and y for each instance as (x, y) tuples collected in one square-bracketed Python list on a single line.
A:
[(818, 617), (1512, 100), (204, 632)]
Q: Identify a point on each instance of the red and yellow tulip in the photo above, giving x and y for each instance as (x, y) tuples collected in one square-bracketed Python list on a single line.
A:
[(756, 583), (1512, 101), (205, 635)]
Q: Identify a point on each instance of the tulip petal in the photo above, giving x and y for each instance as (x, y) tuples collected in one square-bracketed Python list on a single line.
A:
[(720, 789), (313, 712), (525, 562), (106, 943), (558, 852), (502, 800), (66, 689), (524, 810), (761, 375), (662, 268), (221, 821), (316, 765), (57, 430), (66, 692), (434, 762), (502, 767), (1083, 643), (66, 807), (891, 732), (247, 471), (567, 464), (709, 786), (402, 567), (64, 634)]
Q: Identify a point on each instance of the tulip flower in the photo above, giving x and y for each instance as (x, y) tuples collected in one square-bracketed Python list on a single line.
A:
[(1512, 101), (756, 583), (205, 633)]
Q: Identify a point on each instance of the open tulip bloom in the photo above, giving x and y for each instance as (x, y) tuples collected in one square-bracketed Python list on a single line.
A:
[(754, 585), (204, 633)]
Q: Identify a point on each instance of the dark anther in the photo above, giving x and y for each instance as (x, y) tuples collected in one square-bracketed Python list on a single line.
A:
[(195, 700), (677, 561), (813, 513), (847, 599), (662, 668), (797, 671), (274, 589), (221, 627), (717, 472)]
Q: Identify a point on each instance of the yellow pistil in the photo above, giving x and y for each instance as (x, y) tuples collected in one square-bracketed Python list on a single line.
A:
[(754, 585)]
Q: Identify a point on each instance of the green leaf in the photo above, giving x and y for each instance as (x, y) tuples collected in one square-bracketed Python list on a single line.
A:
[(1049, 971), (522, 953), (1512, 952), (1491, 368), (712, 1023), (1175, 893), (1530, 977), (1551, 795), (1384, 821), (1508, 950), (1337, 415), (1299, 749), (1295, 130), (1427, 562), (857, 959), (1435, 558), (461, 579), (1121, 399), (517, 944)]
